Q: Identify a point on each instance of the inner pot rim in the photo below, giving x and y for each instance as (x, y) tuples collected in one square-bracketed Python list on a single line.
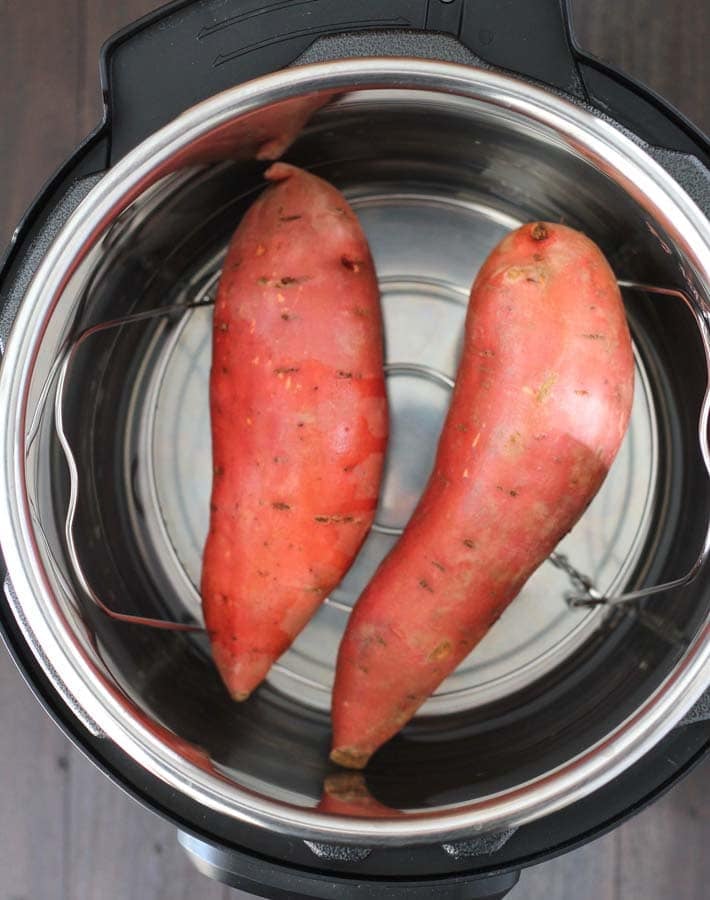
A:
[(87, 690)]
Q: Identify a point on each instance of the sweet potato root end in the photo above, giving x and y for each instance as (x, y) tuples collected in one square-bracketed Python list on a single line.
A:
[(240, 696), (349, 757)]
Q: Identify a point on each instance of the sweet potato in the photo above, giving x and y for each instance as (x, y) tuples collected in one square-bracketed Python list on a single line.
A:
[(541, 404), (299, 420)]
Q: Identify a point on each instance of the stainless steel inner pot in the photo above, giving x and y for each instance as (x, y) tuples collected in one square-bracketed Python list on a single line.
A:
[(439, 161)]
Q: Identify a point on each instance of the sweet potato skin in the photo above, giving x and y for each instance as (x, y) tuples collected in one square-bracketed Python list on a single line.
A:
[(299, 420), (541, 404)]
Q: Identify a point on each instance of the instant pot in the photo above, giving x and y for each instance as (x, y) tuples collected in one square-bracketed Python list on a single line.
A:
[(446, 124)]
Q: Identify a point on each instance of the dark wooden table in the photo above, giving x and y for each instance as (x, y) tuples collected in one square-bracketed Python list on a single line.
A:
[(65, 832)]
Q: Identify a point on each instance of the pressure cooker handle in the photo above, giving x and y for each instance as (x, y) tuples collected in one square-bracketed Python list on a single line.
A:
[(278, 881), (189, 50), (186, 52)]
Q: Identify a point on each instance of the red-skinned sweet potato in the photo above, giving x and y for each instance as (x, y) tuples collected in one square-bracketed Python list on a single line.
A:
[(299, 420), (541, 404)]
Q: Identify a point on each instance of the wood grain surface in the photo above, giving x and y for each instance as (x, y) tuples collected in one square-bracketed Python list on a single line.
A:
[(66, 833)]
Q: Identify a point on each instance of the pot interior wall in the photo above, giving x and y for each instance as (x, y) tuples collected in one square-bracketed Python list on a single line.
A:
[(437, 181)]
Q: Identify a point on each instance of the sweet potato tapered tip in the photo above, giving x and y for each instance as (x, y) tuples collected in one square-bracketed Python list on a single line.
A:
[(240, 696), (349, 758)]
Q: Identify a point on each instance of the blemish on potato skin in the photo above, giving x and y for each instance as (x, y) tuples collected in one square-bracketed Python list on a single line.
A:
[(424, 584), (218, 471), (530, 273), (260, 250), (539, 231), (514, 442), (545, 390), (437, 565), (582, 393), (594, 337), (352, 265), (440, 652), (468, 543), (223, 326), (286, 370), (336, 520), (278, 504)]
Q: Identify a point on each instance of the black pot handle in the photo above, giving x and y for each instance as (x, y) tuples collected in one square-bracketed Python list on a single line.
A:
[(188, 51), (276, 881)]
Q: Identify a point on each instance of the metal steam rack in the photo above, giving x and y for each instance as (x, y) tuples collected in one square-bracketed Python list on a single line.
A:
[(582, 594)]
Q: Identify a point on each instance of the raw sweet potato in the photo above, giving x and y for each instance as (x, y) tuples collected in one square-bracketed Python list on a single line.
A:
[(540, 407), (299, 420)]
